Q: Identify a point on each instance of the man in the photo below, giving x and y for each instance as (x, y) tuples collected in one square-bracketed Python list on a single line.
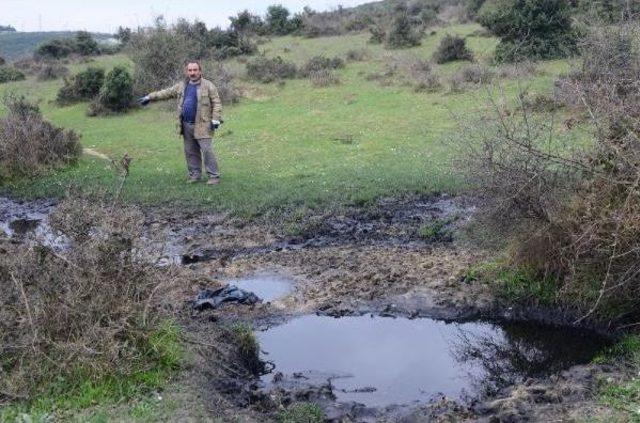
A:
[(198, 111)]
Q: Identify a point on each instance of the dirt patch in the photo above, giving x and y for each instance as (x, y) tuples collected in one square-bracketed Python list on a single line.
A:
[(397, 257)]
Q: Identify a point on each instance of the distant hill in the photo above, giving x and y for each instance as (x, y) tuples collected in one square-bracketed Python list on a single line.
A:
[(14, 45)]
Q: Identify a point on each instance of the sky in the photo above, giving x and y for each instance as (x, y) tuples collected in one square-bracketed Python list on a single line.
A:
[(107, 15)]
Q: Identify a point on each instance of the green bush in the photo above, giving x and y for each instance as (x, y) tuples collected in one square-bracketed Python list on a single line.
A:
[(117, 92), (266, 70), (83, 86), (402, 34), (452, 48), (9, 73), (85, 45), (536, 29), (59, 48), (378, 34)]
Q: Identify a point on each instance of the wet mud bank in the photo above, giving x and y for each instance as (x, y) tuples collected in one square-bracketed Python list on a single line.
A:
[(393, 268)]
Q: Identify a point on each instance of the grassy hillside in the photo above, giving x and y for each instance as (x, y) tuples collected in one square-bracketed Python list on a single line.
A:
[(291, 145), (14, 45)]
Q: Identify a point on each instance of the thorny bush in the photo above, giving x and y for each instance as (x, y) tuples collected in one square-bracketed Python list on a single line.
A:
[(267, 70), (89, 310), (29, 145), (574, 213)]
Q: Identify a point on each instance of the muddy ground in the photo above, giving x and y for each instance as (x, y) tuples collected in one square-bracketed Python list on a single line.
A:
[(397, 257)]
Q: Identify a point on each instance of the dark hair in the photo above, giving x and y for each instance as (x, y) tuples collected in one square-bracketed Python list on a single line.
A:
[(196, 61)]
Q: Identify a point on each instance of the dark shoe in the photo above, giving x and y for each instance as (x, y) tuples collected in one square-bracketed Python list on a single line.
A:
[(193, 180), (213, 181)]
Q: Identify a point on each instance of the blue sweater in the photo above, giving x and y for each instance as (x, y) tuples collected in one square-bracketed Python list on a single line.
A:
[(190, 103)]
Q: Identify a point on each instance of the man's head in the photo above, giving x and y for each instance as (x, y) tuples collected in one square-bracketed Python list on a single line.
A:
[(193, 70)]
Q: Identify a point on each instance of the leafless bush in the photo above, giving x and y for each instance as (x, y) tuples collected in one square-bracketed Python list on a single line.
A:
[(476, 74), (29, 145), (385, 77), (428, 83), (52, 71), (536, 102), (520, 70), (323, 78), (89, 310), (457, 83), (422, 75), (572, 213), (320, 63), (267, 70), (158, 54), (30, 66), (323, 25), (223, 80), (357, 55)]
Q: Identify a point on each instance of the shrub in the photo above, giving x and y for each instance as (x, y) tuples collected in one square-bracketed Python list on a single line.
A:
[(223, 80), (322, 25), (402, 34), (277, 21), (473, 7), (323, 78), (378, 34), (529, 29), (158, 55), (422, 75), (117, 92), (429, 83), (82, 86), (85, 45), (266, 70), (572, 214), (319, 63), (229, 44), (82, 44), (28, 65), (357, 55), (246, 23), (29, 145), (452, 48), (2, 61), (52, 71), (9, 73), (55, 49), (476, 74), (88, 313)]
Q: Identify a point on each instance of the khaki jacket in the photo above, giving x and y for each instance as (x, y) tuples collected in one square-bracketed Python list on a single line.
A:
[(209, 105)]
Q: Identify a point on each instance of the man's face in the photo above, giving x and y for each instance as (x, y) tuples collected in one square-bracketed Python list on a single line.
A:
[(193, 71)]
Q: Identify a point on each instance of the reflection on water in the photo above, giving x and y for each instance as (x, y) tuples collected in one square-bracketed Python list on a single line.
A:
[(414, 360), (521, 350), (266, 287)]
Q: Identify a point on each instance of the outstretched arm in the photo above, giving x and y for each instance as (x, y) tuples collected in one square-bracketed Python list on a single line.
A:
[(171, 92)]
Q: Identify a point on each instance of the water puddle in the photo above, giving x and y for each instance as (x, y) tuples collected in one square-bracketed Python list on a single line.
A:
[(29, 220), (266, 287), (381, 361)]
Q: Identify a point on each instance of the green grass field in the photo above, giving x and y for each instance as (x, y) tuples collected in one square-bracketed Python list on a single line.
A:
[(292, 145)]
